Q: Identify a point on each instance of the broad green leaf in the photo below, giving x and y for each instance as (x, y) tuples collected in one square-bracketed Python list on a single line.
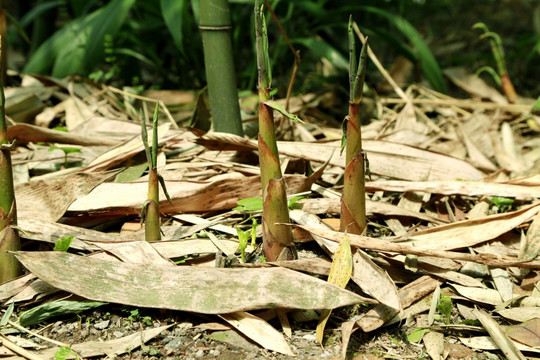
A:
[(78, 46), (131, 173), (416, 335), (276, 106), (56, 308), (175, 13), (63, 244), (322, 49), (340, 274), (430, 67), (251, 204), (5, 318)]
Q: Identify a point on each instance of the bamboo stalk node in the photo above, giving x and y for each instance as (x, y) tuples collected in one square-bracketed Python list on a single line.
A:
[(215, 27)]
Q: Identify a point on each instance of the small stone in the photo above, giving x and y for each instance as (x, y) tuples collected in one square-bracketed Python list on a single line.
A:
[(174, 343), (310, 337), (199, 354), (118, 334), (101, 325)]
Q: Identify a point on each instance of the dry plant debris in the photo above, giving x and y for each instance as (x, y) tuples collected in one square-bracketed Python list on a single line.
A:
[(452, 245)]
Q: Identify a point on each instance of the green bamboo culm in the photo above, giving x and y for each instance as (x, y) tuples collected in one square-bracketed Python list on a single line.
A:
[(353, 201), (277, 239), (151, 216), (215, 26), (9, 237)]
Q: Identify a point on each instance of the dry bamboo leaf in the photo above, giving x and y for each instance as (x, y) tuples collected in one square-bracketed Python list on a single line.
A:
[(25, 133), (49, 199), (474, 85), (222, 193), (259, 331), (527, 333), (374, 281), (487, 343), (380, 314), (482, 295), (520, 314), (180, 248), (434, 342), (185, 288), (136, 252), (340, 274), (47, 231), (385, 158), (478, 159), (12, 287), (531, 248), (129, 148), (467, 233), (498, 336), (470, 188), (111, 347), (77, 112), (347, 328), (503, 284), (365, 242)]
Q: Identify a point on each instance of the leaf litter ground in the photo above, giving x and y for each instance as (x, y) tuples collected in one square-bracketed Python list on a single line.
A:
[(448, 269)]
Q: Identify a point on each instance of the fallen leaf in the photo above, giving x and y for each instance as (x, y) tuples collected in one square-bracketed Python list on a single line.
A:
[(185, 288)]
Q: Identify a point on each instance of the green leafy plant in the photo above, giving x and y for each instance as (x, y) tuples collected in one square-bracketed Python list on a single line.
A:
[(417, 334), (64, 353), (66, 151), (502, 78), (63, 244), (243, 237), (503, 204), (444, 307)]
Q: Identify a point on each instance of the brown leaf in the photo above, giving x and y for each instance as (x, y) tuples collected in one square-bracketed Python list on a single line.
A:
[(527, 333)]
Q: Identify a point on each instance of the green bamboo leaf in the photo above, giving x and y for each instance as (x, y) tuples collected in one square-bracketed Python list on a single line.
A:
[(276, 106), (175, 13), (5, 318), (322, 49), (63, 244), (263, 59), (155, 136), (54, 309), (352, 53), (251, 204), (144, 136), (78, 46), (430, 67), (162, 183)]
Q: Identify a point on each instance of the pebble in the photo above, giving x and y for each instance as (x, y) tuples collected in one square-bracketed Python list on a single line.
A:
[(214, 352), (199, 354), (118, 334), (101, 325), (174, 343), (310, 337)]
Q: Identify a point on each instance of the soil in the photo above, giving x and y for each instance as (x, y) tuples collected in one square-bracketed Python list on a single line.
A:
[(193, 336)]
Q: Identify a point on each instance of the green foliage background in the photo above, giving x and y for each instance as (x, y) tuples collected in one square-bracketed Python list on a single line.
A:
[(157, 42)]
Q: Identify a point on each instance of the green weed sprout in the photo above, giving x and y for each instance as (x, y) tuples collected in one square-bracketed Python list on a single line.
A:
[(150, 209), (67, 151), (277, 239), (503, 79), (353, 200), (9, 237)]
